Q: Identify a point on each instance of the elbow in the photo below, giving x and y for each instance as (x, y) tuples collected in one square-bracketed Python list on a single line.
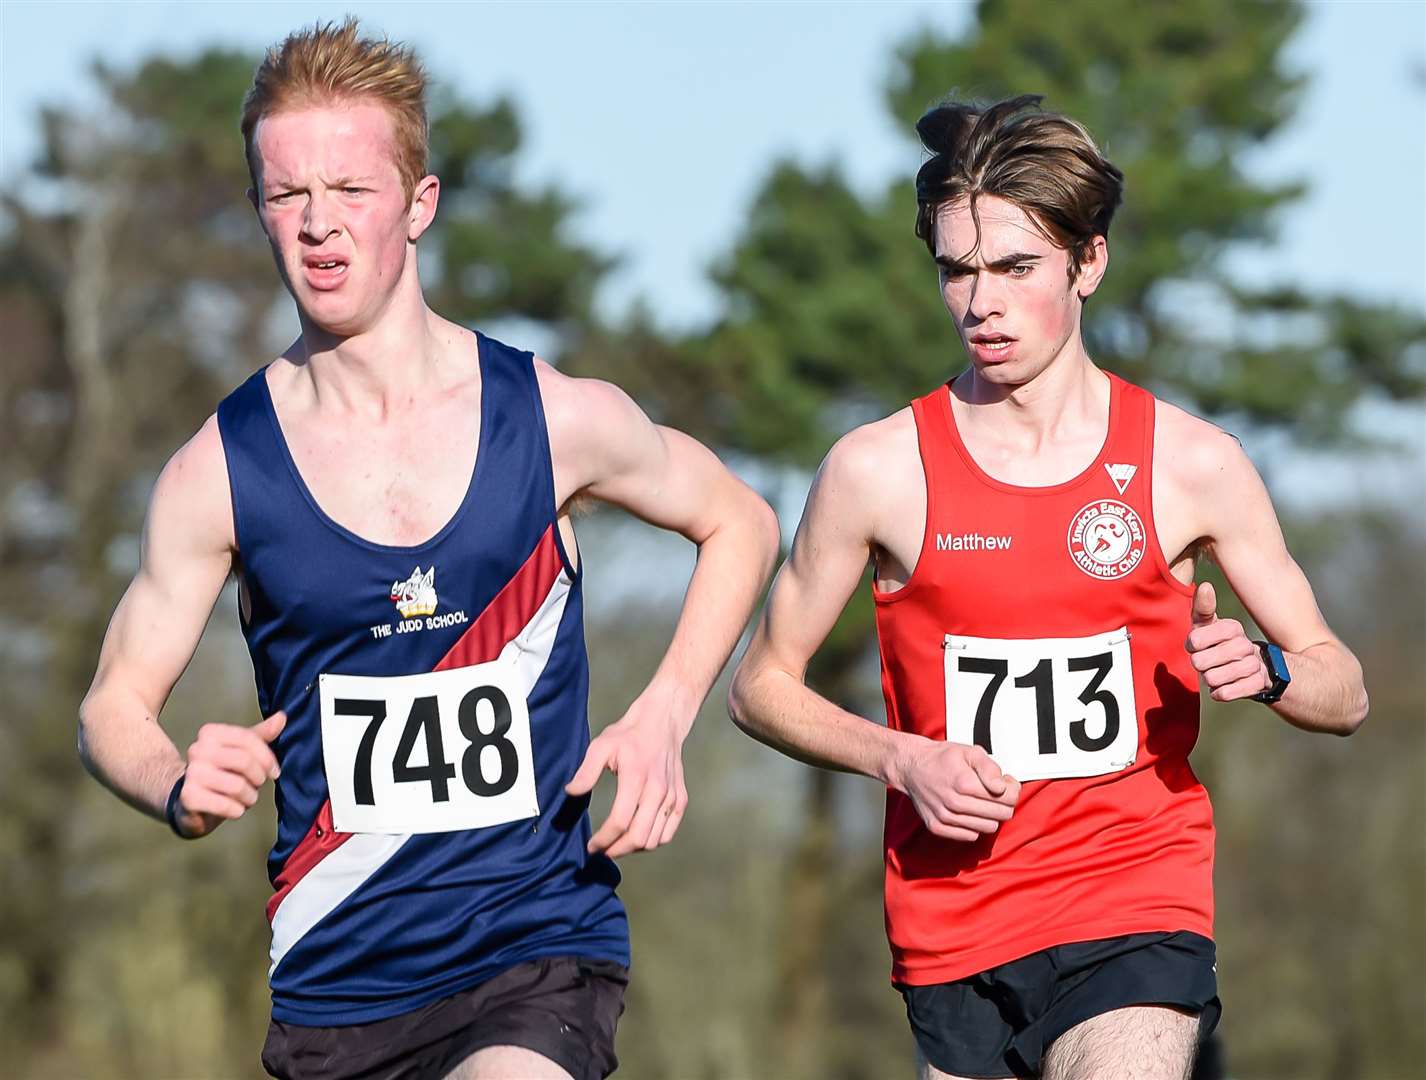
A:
[(1356, 714), (83, 739), (769, 536), (739, 699)]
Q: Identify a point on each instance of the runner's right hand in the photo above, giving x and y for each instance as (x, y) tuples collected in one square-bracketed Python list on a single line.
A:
[(227, 764), (960, 793)]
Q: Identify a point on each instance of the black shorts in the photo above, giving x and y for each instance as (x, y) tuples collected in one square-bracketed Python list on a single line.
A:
[(999, 1023), (565, 1008)]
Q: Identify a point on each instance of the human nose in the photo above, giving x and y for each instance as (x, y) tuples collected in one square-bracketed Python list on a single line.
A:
[(318, 221), (987, 297)]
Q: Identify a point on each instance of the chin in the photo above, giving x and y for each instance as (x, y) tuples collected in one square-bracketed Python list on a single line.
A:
[(333, 319), (1015, 372), (332, 327), (1008, 373)]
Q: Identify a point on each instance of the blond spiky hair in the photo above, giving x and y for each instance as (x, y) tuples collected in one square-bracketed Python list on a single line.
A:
[(329, 64)]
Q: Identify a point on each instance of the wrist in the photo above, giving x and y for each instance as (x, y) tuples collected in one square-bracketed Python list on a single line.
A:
[(674, 701), (173, 808), (1278, 675), (892, 768)]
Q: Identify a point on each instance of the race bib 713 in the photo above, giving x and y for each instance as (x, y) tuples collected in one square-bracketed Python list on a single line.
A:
[(434, 752), (1044, 708)]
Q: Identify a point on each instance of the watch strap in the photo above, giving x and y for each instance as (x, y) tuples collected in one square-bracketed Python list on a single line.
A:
[(172, 808)]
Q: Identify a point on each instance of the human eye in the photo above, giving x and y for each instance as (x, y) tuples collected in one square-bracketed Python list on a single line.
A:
[(1020, 270)]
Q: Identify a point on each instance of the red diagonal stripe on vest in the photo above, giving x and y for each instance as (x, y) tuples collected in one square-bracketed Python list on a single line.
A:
[(503, 618), (511, 611)]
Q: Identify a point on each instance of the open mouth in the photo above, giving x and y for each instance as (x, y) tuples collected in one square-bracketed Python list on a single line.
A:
[(324, 273), (988, 346)]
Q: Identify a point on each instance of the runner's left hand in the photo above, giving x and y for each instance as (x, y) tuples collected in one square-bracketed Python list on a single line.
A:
[(644, 750), (1229, 663)]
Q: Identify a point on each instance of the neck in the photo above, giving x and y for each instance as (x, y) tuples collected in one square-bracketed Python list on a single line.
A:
[(1069, 391), (391, 364)]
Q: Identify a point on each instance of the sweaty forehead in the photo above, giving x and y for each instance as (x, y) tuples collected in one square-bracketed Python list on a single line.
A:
[(1003, 228), (326, 141)]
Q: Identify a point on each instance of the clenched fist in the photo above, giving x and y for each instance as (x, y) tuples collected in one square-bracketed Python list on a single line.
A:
[(227, 765)]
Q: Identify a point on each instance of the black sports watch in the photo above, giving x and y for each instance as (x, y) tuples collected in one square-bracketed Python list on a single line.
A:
[(1277, 670), (171, 808)]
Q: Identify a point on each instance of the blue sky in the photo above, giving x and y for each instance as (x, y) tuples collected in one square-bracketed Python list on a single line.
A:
[(665, 117)]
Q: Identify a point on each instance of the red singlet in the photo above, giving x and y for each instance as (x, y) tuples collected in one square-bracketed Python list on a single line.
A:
[(1043, 624)]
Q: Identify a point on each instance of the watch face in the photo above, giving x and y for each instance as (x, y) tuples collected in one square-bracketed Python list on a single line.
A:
[(1277, 671), (1277, 665)]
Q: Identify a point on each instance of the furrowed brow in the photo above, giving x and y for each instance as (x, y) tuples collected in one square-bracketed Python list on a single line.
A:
[(954, 266), (1014, 259)]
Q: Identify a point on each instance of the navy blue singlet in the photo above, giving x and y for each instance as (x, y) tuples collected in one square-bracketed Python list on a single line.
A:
[(424, 839)]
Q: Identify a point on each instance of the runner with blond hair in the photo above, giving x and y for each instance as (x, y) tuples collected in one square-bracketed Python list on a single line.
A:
[(392, 495)]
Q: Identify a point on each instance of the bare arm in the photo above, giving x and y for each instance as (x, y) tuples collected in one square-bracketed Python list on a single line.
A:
[(186, 557), (604, 446), (1240, 532), (959, 792)]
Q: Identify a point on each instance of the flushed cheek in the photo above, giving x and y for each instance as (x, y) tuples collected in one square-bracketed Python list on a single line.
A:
[(1045, 312)]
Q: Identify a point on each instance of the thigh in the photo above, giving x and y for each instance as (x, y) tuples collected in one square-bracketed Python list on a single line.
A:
[(1142, 1042), (503, 1062)]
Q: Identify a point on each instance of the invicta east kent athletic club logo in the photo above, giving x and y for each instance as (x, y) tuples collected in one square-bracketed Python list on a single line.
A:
[(1106, 539)]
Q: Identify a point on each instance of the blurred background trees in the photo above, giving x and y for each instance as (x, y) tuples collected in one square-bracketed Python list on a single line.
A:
[(135, 290)]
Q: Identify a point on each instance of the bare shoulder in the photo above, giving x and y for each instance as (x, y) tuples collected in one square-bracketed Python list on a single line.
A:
[(870, 455), (192, 498), (597, 435), (579, 408), (1194, 455), (872, 469), (569, 396)]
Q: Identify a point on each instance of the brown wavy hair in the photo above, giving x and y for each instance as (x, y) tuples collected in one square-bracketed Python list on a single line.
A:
[(328, 64), (1045, 163)]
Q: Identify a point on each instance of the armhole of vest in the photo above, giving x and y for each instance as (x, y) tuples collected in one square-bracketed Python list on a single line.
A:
[(1160, 557), (547, 462), (229, 447), (924, 413)]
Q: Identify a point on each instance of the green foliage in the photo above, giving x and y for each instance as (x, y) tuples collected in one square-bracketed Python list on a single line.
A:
[(502, 251), (831, 313)]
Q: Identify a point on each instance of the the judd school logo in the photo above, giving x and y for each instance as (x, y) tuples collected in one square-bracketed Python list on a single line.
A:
[(1106, 539), (417, 594)]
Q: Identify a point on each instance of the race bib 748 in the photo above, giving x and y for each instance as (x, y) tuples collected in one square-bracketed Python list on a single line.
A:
[(1044, 708), (434, 752)]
